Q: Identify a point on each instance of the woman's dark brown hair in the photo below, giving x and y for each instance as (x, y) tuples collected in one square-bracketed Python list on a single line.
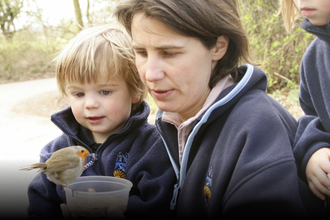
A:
[(203, 19)]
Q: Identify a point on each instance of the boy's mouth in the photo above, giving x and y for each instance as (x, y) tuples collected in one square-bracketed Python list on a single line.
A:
[(95, 119)]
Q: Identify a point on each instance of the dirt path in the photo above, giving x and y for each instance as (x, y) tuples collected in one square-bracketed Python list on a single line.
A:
[(24, 129)]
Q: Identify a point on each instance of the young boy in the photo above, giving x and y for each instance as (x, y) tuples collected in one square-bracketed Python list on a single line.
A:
[(312, 141), (107, 115)]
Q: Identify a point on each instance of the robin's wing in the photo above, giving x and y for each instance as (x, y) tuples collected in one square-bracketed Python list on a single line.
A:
[(63, 162)]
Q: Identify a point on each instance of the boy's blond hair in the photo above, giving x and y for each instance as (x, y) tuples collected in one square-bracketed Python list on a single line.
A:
[(96, 51), (290, 13)]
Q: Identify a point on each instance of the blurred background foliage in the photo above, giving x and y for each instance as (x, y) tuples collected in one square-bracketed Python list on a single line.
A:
[(26, 52), (278, 52)]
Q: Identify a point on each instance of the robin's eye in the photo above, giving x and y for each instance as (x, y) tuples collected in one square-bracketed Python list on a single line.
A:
[(82, 151)]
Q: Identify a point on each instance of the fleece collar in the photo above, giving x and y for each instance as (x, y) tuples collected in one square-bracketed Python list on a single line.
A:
[(322, 32)]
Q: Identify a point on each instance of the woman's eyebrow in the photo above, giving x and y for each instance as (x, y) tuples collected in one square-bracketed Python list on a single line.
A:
[(167, 47), (161, 47), (137, 47)]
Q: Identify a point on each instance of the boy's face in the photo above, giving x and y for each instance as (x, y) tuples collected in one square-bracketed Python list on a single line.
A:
[(316, 11), (102, 107)]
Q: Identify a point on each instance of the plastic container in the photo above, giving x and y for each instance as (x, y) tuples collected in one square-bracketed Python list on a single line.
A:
[(94, 196)]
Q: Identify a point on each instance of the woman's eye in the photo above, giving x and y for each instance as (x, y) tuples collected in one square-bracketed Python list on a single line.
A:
[(142, 53), (168, 54), (104, 92)]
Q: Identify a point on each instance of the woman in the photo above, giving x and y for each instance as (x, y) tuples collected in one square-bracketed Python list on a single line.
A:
[(229, 143)]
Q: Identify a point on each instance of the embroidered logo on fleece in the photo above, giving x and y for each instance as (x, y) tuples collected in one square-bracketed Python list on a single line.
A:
[(120, 167), (208, 186)]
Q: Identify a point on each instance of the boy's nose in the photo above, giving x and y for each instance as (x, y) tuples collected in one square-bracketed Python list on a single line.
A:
[(91, 102)]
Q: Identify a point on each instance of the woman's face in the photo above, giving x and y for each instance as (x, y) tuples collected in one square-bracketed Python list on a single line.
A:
[(176, 69)]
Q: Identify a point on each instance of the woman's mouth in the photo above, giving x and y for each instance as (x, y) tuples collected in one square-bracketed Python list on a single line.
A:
[(161, 94)]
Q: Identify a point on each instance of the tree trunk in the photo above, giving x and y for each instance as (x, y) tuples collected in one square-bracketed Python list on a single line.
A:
[(88, 15), (77, 11), (9, 10)]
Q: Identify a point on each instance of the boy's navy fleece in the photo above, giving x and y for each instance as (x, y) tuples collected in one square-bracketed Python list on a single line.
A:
[(136, 151), (314, 128), (238, 160)]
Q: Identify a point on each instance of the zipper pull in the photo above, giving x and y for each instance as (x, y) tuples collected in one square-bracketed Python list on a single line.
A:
[(175, 197), (94, 158), (91, 162)]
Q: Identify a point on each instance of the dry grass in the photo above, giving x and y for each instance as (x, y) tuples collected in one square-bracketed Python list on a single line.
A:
[(289, 99)]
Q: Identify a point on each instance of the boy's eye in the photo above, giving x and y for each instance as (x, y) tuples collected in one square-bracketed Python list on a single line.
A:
[(104, 92), (80, 94)]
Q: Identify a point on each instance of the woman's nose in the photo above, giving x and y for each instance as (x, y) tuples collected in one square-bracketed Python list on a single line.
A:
[(154, 70)]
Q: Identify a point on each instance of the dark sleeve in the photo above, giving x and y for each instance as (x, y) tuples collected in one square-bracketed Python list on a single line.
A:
[(265, 181), (153, 179), (43, 199), (310, 137), (305, 99), (44, 196)]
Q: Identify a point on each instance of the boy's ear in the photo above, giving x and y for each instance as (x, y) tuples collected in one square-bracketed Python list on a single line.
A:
[(136, 98), (220, 48)]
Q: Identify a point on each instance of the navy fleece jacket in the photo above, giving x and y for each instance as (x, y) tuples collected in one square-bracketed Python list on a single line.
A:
[(313, 131), (238, 160), (145, 164)]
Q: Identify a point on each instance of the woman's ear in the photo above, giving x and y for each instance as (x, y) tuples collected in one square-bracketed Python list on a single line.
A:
[(220, 48)]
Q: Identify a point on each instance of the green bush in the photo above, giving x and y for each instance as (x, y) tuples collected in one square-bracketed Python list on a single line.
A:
[(30, 53), (278, 53)]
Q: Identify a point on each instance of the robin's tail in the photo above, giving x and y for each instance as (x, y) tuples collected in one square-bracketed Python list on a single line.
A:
[(41, 166)]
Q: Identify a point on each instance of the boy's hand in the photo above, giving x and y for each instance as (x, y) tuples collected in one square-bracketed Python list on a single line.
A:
[(317, 169)]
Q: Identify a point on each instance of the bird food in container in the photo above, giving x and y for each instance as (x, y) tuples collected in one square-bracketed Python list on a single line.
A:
[(95, 196)]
